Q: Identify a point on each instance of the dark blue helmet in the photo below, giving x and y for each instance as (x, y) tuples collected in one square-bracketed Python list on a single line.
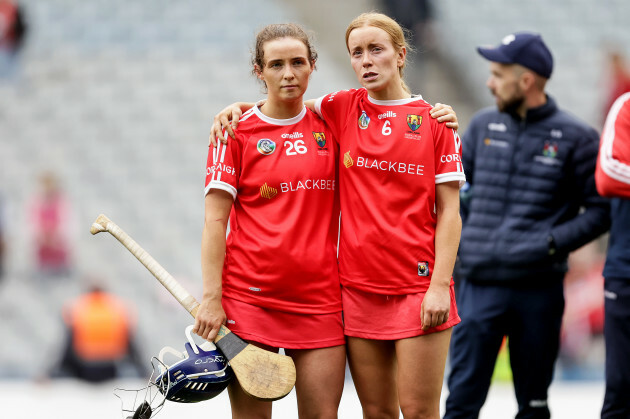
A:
[(200, 374)]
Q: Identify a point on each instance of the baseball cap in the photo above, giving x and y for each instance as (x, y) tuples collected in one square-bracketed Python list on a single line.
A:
[(524, 48)]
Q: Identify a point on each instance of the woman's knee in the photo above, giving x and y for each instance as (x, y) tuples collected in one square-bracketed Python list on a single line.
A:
[(420, 411), (246, 407), (318, 412), (380, 411)]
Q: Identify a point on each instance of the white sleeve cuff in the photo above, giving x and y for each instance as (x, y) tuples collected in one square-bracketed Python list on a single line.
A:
[(451, 177), (318, 106), (222, 186)]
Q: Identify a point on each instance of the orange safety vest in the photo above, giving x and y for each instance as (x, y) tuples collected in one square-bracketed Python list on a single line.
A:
[(100, 327)]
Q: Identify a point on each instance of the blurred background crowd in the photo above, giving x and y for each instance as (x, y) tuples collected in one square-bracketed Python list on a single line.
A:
[(105, 107)]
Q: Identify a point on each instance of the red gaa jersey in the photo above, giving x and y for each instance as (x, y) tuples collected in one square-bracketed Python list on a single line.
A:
[(391, 155), (281, 249), (612, 177), (613, 164)]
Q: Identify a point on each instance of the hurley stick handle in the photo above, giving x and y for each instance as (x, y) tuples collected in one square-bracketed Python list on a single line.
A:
[(103, 223), (262, 374)]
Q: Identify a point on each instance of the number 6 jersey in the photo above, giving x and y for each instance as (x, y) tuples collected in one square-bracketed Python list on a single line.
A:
[(391, 156), (281, 249)]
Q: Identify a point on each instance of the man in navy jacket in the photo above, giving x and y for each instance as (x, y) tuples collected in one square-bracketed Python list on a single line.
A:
[(531, 200)]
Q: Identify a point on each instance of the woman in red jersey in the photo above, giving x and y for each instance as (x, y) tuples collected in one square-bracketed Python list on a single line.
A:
[(276, 184), (399, 172)]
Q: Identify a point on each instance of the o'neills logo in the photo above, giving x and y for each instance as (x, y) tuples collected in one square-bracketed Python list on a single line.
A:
[(267, 191), (388, 114), (347, 159), (294, 135)]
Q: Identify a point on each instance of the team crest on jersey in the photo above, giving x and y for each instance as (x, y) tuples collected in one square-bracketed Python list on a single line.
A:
[(423, 268), (265, 146), (414, 121), (267, 191), (320, 139), (364, 120)]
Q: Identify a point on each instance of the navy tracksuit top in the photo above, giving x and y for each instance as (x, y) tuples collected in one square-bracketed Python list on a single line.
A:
[(531, 181)]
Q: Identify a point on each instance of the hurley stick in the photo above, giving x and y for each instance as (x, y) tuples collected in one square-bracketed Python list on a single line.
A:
[(262, 374)]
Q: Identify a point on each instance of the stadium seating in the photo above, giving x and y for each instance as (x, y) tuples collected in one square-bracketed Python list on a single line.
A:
[(578, 33), (116, 97)]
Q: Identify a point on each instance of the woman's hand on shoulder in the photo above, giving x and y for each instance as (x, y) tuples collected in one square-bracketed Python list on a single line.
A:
[(209, 318), (445, 113), (226, 120)]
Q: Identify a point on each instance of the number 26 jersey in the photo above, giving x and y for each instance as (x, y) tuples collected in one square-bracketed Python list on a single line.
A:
[(281, 249)]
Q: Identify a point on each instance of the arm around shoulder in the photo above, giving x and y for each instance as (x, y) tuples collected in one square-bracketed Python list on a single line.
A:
[(227, 119)]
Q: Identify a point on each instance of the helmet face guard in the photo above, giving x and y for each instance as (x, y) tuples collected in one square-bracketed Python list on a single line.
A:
[(143, 403), (200, 374)]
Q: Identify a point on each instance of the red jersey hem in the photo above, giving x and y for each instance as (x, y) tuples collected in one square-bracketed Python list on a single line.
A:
[(371, 288), (280, 305), (292, 345), (403, 334)]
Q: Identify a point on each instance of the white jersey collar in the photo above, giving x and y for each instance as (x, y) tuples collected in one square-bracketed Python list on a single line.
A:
[(291, 121), (394, 102)]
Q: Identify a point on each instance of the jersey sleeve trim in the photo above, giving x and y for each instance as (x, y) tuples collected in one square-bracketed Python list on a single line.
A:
[(318, 106), (215, 184), (451, 177)]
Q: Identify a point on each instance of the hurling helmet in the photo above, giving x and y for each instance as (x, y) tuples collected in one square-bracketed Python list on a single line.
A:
[(199, 374)]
